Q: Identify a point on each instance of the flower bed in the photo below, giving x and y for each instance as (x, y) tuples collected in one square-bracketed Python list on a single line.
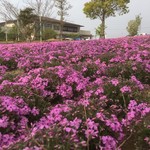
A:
[(75, 95)]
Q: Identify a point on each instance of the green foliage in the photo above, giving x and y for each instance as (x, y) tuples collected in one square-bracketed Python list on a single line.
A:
[(2, 35), (104, 9), (96, 9), (74, 36), (27, 21), (63, 6), (26, 16), (49, 34), (11, 64), (100, 30), (12, 34), (133, 26)]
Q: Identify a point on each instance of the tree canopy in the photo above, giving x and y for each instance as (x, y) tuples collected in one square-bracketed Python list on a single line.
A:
[(26, 20), (102, 9), (40, 7), (63, 6), (133, 26)]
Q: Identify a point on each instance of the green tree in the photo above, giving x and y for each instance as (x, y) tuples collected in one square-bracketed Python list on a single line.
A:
[(73, 35), (27, 22), (42, 8), (12, 34), (49, 34), (63, 6), (103, 9), (2, 35), (8, 11), (100, 30), (133, 26)]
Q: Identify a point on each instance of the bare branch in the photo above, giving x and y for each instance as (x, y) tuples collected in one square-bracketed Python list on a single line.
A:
[(8, 10), (41, 7), (63, 6)]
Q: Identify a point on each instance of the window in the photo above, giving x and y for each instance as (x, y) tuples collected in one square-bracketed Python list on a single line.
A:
[(56, 27), (70, 29), (48, 25)]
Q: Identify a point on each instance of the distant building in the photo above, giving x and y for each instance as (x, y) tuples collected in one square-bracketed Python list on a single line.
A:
[(50, 23)]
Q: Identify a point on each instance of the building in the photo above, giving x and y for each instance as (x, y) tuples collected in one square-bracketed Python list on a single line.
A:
[(54, 24)]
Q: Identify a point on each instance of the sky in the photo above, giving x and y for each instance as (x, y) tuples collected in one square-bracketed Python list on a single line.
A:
[(116, 26)]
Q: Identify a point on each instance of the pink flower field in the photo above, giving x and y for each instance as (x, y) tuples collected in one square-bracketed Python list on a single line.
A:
[(79, 95)]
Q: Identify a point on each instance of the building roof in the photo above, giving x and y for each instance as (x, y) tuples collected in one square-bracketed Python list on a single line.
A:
[(46, 19), (8, 21), (58, 21)]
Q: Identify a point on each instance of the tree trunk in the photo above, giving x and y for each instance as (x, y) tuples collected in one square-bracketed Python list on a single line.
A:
[(40, 19), (103, 26), (103, 22), (18, 31), (61, 26)]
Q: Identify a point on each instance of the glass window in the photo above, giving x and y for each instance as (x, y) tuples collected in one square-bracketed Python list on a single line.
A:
[(70, 29), (48, 25), (56, 27)]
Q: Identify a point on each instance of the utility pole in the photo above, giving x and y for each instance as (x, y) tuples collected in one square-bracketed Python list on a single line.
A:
[(61, 25), (18, 34), (40, 18), (6, 29), (6, 35)]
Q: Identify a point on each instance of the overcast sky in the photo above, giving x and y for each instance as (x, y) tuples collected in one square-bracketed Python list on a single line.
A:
[(116, 26)]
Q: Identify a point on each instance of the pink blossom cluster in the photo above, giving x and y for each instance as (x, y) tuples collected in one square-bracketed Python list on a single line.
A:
[(75, 95)]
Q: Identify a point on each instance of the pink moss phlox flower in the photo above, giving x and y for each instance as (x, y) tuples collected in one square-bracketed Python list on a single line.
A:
[(84, 102), (125, 89), (16, 105), (109, 143), (3, 69), (32, 148), (88, 94), (97, 62), (75, 123), (136, 112), (34, 75), (100, 90), (4, 122), (64, 90), (6, 141), (92, 129), (114, 124), (147, 67), (39, 83), (61, 71), (25, 79), (114, 82), (35, 111), (98, 81), (139, 84), (101, 116)]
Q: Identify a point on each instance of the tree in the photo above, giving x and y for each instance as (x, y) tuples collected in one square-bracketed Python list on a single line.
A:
[(42, 8), (49, 34), (100, 30), (12, 34), (63, 6), (2, 35), (9, 12), (133, 26), (103, 9), (27, 22)]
